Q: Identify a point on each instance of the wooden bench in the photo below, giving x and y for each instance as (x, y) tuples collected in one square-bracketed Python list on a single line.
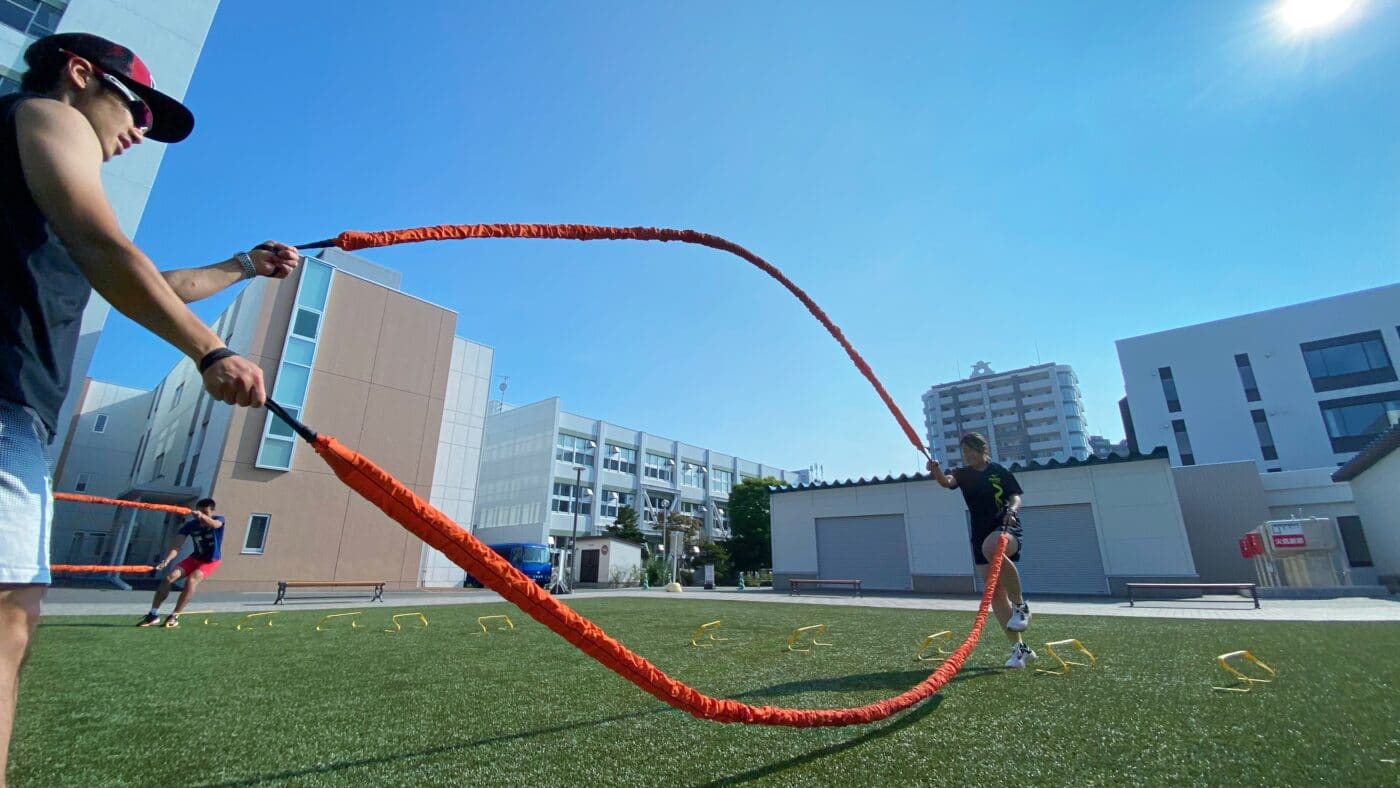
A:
[(797, 582), (283, 585), (1236, 587)]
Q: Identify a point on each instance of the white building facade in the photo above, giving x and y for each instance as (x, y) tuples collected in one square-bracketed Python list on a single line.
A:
[(169, 37), (1091, 527), (1299, 387), (1035, 414), (527, 485)]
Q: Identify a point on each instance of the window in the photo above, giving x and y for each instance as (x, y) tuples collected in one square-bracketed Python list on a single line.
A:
[(575, 450), (100, 425), (1251, 387), (620, 459), (1266, 436), (1169, 389), (294, 369), (721, 481), (84, 481), (1344, 362), (565, 497), (656, 502), (721, 519), (660, 467), (8, 85), (1354, 541), (256, 538), (194, 466), (614, 500), (179, 390), (160, 463), (1352, 422), (1183, 442), (693, 475), (31, 17)]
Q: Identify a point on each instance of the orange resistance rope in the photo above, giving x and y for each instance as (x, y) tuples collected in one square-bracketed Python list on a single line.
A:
[(465, 550), (350, 241), (87, 568), (155, 507), (123, 569), (432, 526)]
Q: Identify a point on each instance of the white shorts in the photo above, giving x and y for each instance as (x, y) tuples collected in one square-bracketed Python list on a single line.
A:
[(26, 499)]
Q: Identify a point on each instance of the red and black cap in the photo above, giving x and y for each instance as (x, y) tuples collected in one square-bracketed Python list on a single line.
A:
[(171, 120)]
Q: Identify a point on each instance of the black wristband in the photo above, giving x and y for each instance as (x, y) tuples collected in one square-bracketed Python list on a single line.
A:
[(213, 357)]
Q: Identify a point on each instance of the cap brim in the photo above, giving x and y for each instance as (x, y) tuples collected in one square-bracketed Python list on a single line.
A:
[(171, 121)]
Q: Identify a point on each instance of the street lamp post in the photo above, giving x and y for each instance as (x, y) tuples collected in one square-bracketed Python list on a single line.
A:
[(573, 537)]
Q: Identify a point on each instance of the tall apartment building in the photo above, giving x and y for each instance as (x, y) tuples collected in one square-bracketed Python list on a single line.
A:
[(1033, 414), (527, 485), (357, 358), (169, 41), (1304, 386)]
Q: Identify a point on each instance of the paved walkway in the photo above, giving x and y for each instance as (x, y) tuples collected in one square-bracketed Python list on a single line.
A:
[(102, 602)]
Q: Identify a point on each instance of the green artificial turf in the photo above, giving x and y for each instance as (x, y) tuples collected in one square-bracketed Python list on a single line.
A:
[(104, 703)]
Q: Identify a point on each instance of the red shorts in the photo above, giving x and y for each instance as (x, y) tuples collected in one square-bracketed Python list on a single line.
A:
[(191, 564)]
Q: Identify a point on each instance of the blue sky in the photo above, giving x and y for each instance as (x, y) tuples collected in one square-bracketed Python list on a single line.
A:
[(1010, 182)]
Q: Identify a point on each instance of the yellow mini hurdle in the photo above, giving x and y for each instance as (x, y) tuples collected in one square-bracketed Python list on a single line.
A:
[(813, 631), (504, 621), (354, 620), (1065, 663), (1249, 681), (712, 628), (398, 627), (248, 619), (934, 641)]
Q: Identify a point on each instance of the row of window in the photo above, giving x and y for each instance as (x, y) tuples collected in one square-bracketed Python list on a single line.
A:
[(1351, 424), (578, 450), (294, 370), (32, 17), (1333, 364)]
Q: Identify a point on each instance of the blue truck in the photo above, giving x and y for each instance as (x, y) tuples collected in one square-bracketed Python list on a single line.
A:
[(529, 557)]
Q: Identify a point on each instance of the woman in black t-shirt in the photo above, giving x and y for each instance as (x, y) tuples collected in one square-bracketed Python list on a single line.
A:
[(993, 499)]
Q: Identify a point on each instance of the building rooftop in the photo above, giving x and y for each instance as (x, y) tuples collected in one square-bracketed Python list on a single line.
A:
[(1160, 453), (977, 378), (1374, 452)]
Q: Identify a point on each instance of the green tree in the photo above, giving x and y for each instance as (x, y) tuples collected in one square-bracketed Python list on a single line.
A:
[(625, 526), (713, 553), (750, 524)]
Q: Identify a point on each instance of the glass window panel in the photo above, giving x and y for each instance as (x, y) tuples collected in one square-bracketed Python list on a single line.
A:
[(315, 285), (257, 533), (1376, 357), (275, 453), (291, 384), (15, 17), (299, 351), (278, 427), (306, 323)]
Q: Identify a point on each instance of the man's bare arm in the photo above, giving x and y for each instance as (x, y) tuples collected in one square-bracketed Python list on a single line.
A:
[(61, 158)]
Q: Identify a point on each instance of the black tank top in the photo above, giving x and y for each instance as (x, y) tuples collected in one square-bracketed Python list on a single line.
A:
[(42, 291)]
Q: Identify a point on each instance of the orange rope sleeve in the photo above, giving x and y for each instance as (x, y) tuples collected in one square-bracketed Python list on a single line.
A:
[(351, 240), (155, 507), (436, 529), (125, 569)]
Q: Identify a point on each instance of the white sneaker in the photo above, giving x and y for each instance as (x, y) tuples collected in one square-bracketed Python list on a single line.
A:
[(1021, 656), (1020, 617)]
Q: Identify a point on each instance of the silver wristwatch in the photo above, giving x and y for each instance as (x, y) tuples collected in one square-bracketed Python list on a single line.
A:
[(246, 260)]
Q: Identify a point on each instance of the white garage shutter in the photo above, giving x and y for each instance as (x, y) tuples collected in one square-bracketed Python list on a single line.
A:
[(873, 550), (1062, 551)]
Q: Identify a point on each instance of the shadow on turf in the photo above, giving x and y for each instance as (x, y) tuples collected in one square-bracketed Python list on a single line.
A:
[(892, 680), (875, 680)]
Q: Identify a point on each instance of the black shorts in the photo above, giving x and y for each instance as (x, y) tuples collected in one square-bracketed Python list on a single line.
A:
[(980, 535)]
